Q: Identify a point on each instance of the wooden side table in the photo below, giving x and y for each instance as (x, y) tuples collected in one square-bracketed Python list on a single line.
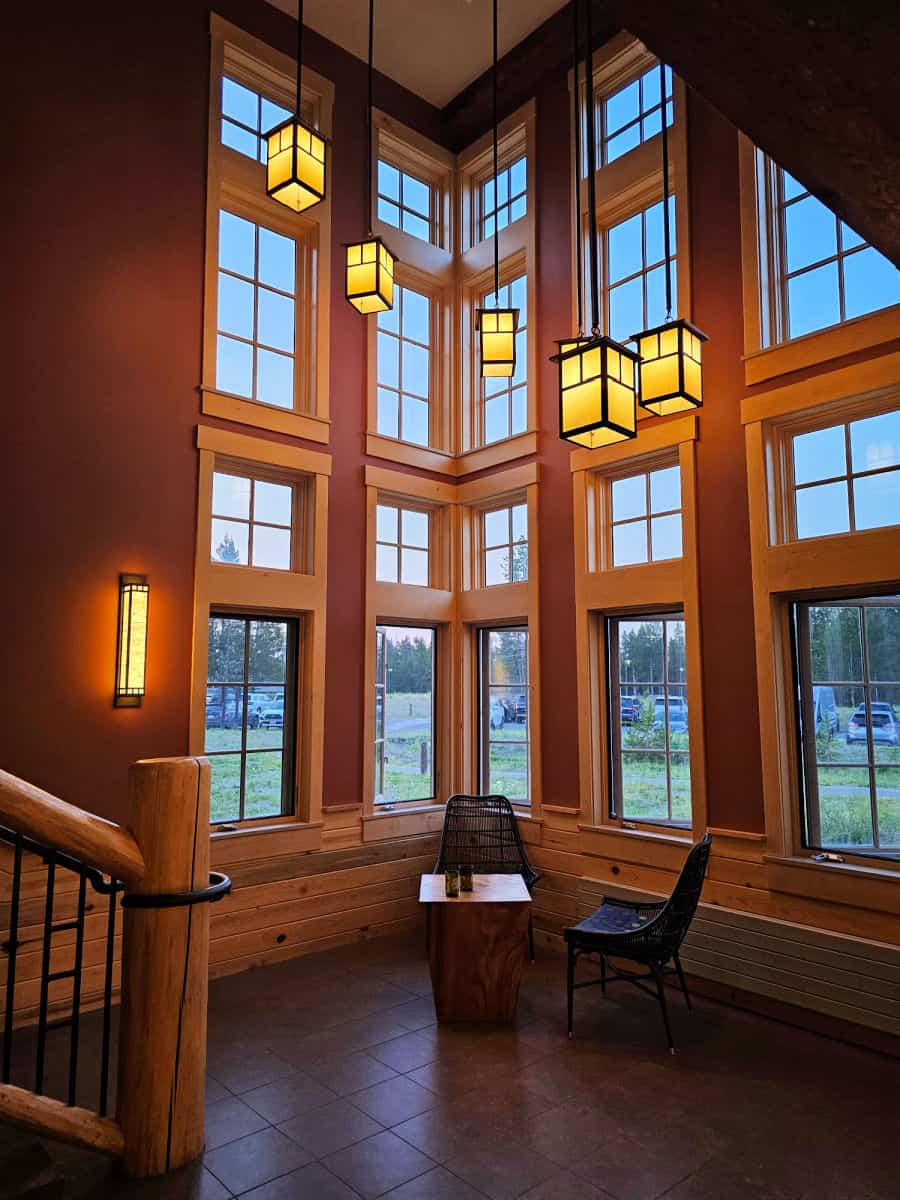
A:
[(477, 943)]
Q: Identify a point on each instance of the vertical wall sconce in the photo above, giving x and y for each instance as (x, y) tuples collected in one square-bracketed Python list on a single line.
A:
[(131, 654)]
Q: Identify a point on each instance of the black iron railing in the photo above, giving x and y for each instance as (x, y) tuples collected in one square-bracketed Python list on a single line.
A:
[(104, 886)]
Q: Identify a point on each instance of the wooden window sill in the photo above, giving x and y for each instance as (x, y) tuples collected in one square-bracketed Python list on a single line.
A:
[(245, 843), (840, 883), (683, 837), (822, 346), (400, 822), (265, 416)]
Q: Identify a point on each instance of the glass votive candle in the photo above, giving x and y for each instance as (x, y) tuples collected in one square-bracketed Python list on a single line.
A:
[(451, 883), (465, 878)]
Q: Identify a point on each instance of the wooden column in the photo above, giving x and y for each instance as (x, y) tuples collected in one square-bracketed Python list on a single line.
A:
[(165, 959)]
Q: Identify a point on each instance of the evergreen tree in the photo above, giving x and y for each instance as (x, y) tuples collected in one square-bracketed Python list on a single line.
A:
[(227, 551)]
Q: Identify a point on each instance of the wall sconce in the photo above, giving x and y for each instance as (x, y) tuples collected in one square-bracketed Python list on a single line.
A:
[(131, 653), (370, 276), (671, 367), (598, 385)]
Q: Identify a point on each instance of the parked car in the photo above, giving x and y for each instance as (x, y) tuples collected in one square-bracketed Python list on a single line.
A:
[(522, 709), (225, 709), (630, 709), (678, 713), (825, 713), (885, 724), (273, 716), (497, 715)]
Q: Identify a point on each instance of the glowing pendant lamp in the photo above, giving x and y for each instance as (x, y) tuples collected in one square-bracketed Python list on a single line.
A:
[(671, 353), (369, 280), (598, 377), (496, 326), (295, 169)]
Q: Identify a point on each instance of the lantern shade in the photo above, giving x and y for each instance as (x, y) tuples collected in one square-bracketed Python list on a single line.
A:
[(131, 654), (369, 283), (295, 169), (598, 386), (671, 367), (497, 334)]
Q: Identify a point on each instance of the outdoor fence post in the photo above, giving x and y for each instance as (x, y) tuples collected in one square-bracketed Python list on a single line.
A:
[(165, 964)]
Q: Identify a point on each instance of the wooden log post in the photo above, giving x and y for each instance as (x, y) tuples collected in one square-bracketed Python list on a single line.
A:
[(165, 962)]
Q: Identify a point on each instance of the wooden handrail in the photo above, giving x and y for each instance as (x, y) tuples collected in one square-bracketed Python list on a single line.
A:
[(44, 1115), (65, 827)]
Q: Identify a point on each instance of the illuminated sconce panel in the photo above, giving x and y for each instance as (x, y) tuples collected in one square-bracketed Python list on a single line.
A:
[(131, 655), (369, 283), (497, 334), (295, 169), (598, 387), (671, 367)]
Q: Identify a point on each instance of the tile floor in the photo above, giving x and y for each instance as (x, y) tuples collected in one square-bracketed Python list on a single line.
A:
[(329, 1080)]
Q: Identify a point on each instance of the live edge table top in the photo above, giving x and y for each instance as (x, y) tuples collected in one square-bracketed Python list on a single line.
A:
[(487, 889)]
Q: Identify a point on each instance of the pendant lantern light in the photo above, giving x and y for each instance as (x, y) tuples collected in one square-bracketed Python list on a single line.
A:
[(497, 326), (369, 281), (295, 168), (671, 353), (598, 377)]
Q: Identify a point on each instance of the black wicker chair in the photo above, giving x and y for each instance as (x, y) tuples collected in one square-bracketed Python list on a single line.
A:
[(647, 934), (483, 831)]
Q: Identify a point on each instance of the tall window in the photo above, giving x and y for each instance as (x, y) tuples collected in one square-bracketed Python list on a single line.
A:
[(635, 272), (828, 274), (255, 347), (251, 521), (505, 544), (250, 715), (404, 368), (246, 118), (405, 202), (645, 514), (404, 714), (505, 401), (505, 203), (848, 655), (633, 114), (401, 545), (847, 477), (648, 716), (504, 713)]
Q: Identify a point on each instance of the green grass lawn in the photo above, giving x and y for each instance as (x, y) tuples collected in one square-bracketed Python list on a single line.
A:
[(262, 786)]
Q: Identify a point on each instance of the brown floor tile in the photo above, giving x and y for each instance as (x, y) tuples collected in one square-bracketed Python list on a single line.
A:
[(228, 1120), (435, 1185), (379, 1164), (331, 1128), (251, 1070), (416, 1014), (405, 1053), (567, 1186), (254, 1160), (313, 1182), (349, 1073), (503, 1170), (288, 1097), (394, 1101), (645, 1166)]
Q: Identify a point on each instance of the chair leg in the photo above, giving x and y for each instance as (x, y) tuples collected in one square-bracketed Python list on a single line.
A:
[(660, 991), (570, 987), (530, 938), (681, 980), (603, 974)]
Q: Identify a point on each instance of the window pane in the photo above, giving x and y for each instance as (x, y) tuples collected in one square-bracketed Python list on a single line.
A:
[(665, 489), (268, 651), (517, 177), (519, 412), (876, 500), (389, 181), (883, 638), (416, 313), (415, 421), (665, 537), (271, 547), (387, 528), (275, 379), (239, 139), (231, 495), (810, 233), (496, 566), (237, 240), (414, 567), (622, 142), (496, 527), (404, 760), (272, 502), (821, 454), (276, 260), (414, 528), (271, 114), (262, 785), (388, 360), (388, 417), (230, 541), (629, 497), (845, 806), (239, 102), (875, 442), (870, 282), (629, 543), (235, 306), (276, 320), (389, 213), (416, 226), (508, 769), (225, 652), (813, 300), (416, 195), (496, 419), (234, 366), (822, 510), (225, 793), (224, 719), (623, 106), (509, 656), (887, 791), (386, 570), (415, 369), (519, 522), (626, 310), (625, 250)]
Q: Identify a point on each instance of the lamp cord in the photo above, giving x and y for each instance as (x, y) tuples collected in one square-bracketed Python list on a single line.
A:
[(369, 175), (579, 265), (667, 243), (592, 172), (299, 53), (496, 191)]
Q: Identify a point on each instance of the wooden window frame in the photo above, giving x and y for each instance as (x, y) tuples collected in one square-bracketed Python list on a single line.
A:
[(403, 505), (627, 66), (507, 503), (236, 183), (602, 590), (437, 687), (301, 513), (848, 564), (768, 354), (482, 634), (301, 594), (606, 526), (480, 214)]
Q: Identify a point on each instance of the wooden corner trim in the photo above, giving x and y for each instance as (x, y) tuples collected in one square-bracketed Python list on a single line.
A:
[(262, 450)]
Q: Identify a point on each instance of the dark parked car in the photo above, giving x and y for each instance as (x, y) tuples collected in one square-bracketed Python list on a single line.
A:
[(630, 709), (522, 709), (885, 725)]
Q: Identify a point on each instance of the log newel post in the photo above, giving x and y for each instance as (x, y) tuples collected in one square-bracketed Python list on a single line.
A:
[(165, 961)]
